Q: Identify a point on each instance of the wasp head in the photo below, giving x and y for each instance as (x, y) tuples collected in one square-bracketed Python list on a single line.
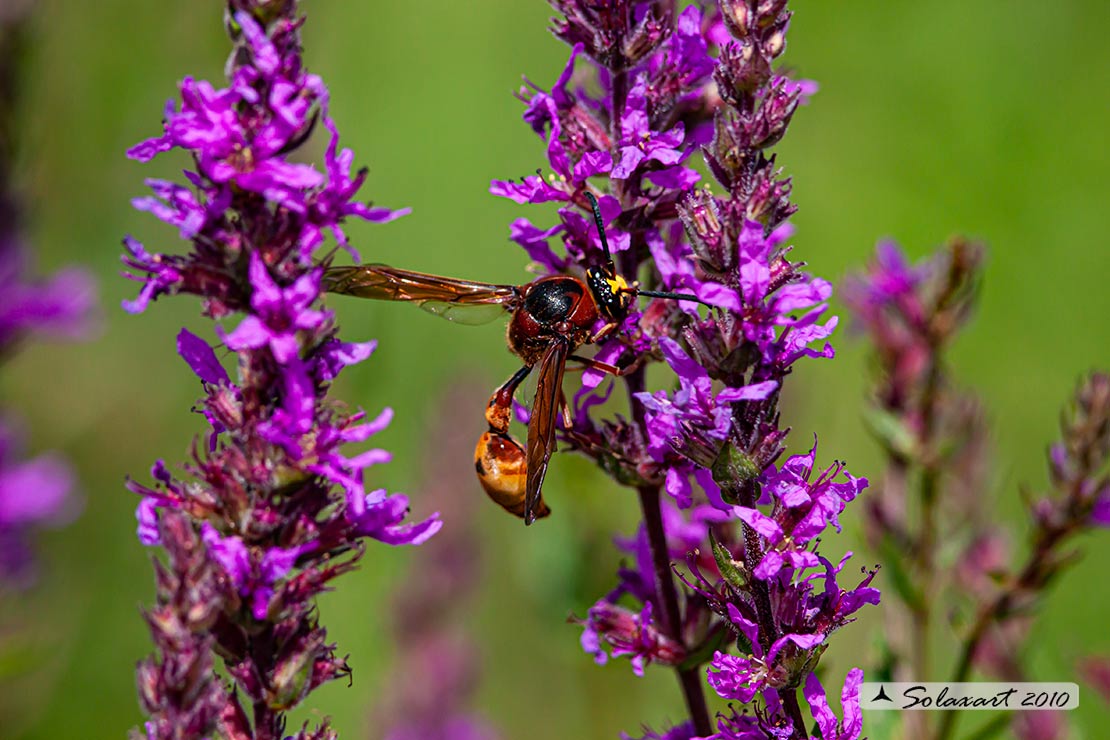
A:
[(611, 291)]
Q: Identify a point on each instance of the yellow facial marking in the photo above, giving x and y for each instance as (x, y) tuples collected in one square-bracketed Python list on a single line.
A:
[(617, 284)]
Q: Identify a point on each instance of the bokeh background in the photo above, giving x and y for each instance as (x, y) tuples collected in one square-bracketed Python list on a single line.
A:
[(934, 117)]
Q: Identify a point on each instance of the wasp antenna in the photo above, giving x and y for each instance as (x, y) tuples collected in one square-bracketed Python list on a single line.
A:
[(674, 296), (600, 226)]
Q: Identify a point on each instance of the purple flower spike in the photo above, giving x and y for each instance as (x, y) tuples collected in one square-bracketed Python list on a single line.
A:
[(264, 517), (646, 86)]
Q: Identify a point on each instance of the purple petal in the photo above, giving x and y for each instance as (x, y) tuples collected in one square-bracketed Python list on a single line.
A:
[(1100, 513), (849, 703), (747, 627), (678, 486), (201, 358), (250, 334), (146, 514), (266, 57), (336, 355), (369, 458), (380, 215), (756, 392), (591, 164), (266, 295), (285, 347), (533, 189), (229, 552), (760, 522), (365, 431), (679, 361), (769, 566), (677, 177), (34, 491), (631, 156), (814, 693)]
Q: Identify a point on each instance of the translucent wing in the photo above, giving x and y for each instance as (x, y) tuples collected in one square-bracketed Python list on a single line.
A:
[(541, 427), (442, 296), (470, 314)]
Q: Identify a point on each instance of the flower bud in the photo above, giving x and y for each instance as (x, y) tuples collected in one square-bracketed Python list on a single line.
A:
[(775, 44), (731, 570), (701, 219), (290, 679), (732, 470), (737, 16), (148, 679)]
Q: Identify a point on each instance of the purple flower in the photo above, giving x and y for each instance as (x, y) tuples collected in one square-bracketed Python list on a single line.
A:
[(694, 411), (832, 728), (279, 313), (627, 633), (332, 204), (60, 306), (889, 279), (380, 516), (248, 157), (803, 508), (742, 677), (639, 144), (34, 493), (254, 576), (687, 61), (773, 301)]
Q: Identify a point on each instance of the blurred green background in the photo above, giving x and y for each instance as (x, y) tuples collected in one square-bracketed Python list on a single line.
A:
[(934, 117)]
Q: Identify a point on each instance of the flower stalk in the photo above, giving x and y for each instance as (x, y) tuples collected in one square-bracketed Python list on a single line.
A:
[(935, 436), (647, 86), (1079, 467), (270, 508)]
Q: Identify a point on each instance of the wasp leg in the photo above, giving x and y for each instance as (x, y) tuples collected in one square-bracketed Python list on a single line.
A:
[(564, 409), (604, 367), (501, 462), (603, 332), (499, 410)]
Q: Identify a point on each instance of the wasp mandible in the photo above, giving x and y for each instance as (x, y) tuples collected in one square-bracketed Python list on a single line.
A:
[(550, 318)]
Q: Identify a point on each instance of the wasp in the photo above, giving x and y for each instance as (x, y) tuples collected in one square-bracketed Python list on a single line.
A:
[(550, 318)]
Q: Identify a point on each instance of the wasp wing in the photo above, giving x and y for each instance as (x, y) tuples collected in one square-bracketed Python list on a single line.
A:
[(541, 427), (470, 314), (443, 296)]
